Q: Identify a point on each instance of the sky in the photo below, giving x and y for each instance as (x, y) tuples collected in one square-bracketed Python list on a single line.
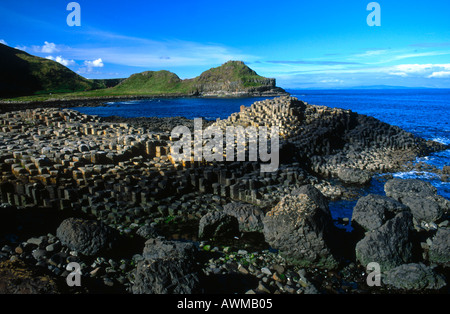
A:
[(302, 44)]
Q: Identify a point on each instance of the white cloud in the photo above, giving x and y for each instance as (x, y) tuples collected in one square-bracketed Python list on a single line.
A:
[(440, 74), (23, 48), (2, 41), (98, 63), (48, 48), (90, 65), (420, 70), (331, 81), (372, 53), (139, 52), (61, 60)]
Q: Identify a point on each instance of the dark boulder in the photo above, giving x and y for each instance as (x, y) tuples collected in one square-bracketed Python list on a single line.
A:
[(420, 196), (218, 225), (301, 227), (372, 211), (168, 267), (249, 216), (354, 176), (89, 237), (164, 276), (439, 251), (161, 248), (401, 188), (414, 277), (390, 245)]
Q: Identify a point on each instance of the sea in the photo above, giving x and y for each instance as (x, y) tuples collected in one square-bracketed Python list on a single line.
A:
[(423, 112)]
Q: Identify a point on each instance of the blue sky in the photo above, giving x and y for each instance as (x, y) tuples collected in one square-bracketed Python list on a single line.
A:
[(303, 44)]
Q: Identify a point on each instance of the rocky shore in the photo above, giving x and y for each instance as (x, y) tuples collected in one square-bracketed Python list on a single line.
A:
[(106, 193)]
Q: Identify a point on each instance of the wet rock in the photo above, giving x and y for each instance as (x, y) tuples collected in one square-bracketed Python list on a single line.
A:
[(218, 225), (301, 228), (440, 247), (400, 188), (89, 237), (354, 176), (249, 216), (420, 196), (413, 276), (161, 248), (389, 245), (169, 267), (372, 211)]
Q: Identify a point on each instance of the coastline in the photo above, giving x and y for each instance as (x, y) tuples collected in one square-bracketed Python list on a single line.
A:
[(11, 105), (97, 169)]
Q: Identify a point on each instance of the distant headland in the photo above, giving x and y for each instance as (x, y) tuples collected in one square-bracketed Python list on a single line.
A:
[(27, 78)]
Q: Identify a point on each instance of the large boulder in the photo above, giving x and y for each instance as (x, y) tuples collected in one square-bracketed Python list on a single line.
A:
[(415, 277), (168, 267), (390, 245), (160, 248), (89, 237), (373, 210), (164, 276), (427, 209), (400, 188), (354, 176), (420, 196), (300, 227), (249, 216), (218, 225), (439, 251)]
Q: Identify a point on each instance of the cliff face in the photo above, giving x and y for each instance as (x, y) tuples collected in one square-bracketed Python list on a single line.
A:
[(234, 78)]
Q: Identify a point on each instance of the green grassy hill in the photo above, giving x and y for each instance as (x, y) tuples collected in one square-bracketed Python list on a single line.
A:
[(233, 73), (24, 74), (232, 76), (36, 78)]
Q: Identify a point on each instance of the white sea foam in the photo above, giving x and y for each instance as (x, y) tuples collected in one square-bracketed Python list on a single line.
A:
[(414, 174), (442, 140)]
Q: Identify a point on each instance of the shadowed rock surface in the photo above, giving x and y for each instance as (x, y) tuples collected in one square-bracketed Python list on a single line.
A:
[(414, 277), (86, 237), (389, 245), (300, 228), (373, 210)]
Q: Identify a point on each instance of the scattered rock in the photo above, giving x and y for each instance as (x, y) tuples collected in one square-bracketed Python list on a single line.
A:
[(17, 278), (413, 276)]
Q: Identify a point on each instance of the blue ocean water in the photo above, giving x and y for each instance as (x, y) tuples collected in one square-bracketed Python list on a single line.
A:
[(206, 108), (423, 112)]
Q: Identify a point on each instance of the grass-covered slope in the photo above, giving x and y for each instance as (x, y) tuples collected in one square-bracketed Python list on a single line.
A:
[(231, 77), (43, 76), (24, 74)]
